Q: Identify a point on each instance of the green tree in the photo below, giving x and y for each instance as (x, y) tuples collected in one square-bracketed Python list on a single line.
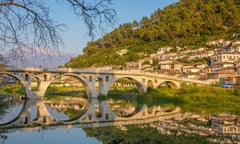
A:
[(185, 23)]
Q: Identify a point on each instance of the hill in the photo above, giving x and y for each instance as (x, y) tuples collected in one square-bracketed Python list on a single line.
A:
[(185, 23)]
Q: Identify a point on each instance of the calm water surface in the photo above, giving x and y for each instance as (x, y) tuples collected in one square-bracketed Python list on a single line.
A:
[(57, 136)]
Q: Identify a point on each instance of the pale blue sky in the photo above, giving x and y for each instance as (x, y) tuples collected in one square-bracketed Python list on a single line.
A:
[(75, 36)]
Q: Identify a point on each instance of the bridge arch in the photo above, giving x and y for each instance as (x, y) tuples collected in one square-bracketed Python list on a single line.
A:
[(20, 105), (140, 86), (150, 84), (13, 75), (169, 83), (47, 83), (99, 83), (35, 83), (20, 79)]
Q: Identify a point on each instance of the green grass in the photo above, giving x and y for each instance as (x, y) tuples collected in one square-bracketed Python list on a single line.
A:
[(58, 93), (197, 99), (202, 100), (6, 90), (12, 89)]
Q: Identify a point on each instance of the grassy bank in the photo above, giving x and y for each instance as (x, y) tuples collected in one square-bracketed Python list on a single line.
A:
[(12, 89), (63, 92), (202, 100)]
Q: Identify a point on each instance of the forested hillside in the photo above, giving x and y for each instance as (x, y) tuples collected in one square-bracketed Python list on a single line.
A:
[(186, 23)]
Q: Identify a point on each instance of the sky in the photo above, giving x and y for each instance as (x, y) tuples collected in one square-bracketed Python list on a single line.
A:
[(75, 34)]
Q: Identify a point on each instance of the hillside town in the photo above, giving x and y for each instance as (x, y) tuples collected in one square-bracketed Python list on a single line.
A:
[(218, 62)]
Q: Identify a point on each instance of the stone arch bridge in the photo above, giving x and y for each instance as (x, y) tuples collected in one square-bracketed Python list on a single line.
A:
[(104, 78)]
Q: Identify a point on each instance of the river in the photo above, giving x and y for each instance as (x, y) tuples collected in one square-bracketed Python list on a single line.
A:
[(57, 135), (72, 104)]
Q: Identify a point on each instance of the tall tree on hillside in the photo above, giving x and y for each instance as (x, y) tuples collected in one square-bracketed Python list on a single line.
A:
[(28, 23)]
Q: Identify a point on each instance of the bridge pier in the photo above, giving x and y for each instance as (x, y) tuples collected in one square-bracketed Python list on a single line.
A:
[(42, 88), (103, 91), (98, 111), (29, 94), (44, 115), (93, 94), (32, 95)]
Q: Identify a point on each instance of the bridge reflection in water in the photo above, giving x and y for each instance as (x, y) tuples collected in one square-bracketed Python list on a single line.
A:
[(92, 113)]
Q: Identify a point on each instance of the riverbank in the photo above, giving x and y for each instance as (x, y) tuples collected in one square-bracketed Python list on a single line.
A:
[(204, 100), (188, 128)]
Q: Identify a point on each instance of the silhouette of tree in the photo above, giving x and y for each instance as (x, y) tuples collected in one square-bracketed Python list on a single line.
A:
[(28, 23)]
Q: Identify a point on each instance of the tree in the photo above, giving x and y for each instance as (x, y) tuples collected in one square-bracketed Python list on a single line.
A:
[(28, 23)]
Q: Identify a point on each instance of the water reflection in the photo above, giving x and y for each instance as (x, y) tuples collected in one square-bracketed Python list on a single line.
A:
[(123, 98), (11, 107), (67, 108), (53, 135), (123, 108), (66, 98), (11, 102)]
